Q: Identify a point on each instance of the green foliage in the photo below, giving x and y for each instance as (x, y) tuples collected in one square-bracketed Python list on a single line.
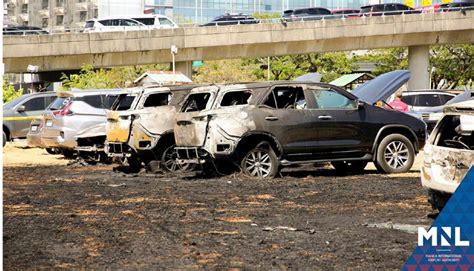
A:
[(330, 65), (386, 60), (266, 16), (120, 77), (452, 66), (9, 92), (224, 71)]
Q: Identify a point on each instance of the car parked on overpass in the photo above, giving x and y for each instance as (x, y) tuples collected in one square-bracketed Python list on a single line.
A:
[(456, 6), (387, 9), (155, 21), (23, 30), (113, 24), (345, 13), (306, 14), (232, 19), (263, 126), (449, 153), (18, 113)]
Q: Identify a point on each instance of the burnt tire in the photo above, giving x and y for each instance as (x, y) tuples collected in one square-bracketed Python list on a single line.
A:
[(4, 138), (169, 161), (395, 154), (260, 162), (349, 167), (68, 154)]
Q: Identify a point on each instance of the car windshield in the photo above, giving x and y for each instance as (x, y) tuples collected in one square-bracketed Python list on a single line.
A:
[(13, 103), (123, 102)]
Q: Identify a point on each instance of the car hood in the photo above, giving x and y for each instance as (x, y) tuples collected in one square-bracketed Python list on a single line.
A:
[(381, 87)]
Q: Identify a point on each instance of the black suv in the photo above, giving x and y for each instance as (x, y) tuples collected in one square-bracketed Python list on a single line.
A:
[(305, 14), (387, 9), (232, 19), (263, 126)]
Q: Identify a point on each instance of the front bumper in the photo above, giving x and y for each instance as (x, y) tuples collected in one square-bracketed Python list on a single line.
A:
[(192, 155), (118, 149)]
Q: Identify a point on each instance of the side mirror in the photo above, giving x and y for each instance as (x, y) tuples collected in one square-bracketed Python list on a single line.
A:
[(360, 104), (21, 108)]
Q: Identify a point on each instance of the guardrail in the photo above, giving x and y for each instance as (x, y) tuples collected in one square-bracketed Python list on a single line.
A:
[(284, 20)]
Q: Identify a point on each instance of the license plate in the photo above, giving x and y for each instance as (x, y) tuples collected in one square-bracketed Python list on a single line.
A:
[(34, 128), (49, 123)]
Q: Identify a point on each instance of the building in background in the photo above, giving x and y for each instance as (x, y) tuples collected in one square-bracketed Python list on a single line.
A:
[(109, 8), (200, 11), (53, 15)]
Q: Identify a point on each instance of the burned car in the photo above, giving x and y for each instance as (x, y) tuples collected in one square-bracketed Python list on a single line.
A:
[(145, 132), (449, 153), (263, 126)]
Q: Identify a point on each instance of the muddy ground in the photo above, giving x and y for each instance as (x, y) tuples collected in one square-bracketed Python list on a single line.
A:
[(59, 216)]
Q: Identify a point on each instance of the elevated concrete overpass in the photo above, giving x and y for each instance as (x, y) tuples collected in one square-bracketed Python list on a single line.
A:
[(70, 51)]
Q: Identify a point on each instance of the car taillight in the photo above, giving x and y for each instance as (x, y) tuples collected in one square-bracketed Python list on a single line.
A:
[(66, 111)]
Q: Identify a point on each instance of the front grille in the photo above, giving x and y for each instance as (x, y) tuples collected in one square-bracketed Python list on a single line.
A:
[(116, 147), (187, 153)]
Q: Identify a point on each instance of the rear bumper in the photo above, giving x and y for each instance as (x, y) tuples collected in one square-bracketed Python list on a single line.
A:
[(59, 138), (34, 140)]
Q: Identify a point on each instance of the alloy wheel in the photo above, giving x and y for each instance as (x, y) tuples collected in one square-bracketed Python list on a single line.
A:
[(258, 163), (396, 154)]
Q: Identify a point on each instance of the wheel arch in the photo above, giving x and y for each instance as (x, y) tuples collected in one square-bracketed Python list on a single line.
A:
[(251, 139), (395, 129), (7, 131), (166, 139)]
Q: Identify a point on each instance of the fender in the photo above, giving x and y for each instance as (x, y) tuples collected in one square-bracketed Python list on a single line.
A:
[(252, 133), (377, 137)]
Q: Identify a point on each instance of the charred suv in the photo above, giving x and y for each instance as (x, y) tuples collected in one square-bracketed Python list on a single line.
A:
[(263, 126)]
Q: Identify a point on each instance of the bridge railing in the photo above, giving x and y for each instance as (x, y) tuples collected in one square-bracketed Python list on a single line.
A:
[(283, 20)]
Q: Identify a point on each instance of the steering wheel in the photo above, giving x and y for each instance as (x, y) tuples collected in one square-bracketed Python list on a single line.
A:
[(454, 143)]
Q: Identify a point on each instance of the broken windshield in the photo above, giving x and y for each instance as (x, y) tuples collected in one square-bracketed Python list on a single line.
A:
[(236, 98), (196, 102)]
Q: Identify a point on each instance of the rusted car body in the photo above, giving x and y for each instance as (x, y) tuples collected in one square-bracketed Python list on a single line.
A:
[(449, 153), (279, 124), (145, 132)]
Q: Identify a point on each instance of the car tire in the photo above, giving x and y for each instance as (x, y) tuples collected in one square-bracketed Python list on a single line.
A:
[(349, 167), (395, 154), (68, 154), (260, 162), (4, 142), (169, 162)]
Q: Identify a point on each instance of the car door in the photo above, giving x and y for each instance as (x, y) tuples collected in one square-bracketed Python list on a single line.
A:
[(284, 114), (25, 113), (344, 129)]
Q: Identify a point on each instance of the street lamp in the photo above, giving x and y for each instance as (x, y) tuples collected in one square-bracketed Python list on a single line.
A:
[(31, 69), (174, 51)]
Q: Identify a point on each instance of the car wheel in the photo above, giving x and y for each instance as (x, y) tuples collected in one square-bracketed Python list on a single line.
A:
[(395, 154), (260, 163), (169, 161), (4, 142), (349, 167)]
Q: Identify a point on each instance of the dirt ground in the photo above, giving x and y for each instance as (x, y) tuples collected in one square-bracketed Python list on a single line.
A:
[(60, 216)]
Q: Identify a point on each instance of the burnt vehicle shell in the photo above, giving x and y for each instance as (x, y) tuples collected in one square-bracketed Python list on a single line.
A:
[(146, 131), (449, 153), (295, 135)]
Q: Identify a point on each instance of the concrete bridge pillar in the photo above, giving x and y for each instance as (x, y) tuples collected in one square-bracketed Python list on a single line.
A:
[(186, 68), (418, 63)]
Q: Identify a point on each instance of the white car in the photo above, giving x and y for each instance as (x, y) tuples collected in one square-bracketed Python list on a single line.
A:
[(113, 24), (449, 153), (155, 21)]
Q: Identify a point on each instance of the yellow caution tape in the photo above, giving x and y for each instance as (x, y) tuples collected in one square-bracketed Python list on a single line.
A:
[(22, 118)]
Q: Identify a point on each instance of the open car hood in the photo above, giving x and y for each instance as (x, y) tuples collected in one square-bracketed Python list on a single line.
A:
[(381, 87)]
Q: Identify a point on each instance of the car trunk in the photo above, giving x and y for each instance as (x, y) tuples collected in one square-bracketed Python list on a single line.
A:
[(191, 123)]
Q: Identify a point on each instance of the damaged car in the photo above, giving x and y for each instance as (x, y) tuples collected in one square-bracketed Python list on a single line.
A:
[(264, 126), (449, 153), (145, 132)]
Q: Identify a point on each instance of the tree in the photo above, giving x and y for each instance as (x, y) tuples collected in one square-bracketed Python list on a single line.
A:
[(120, 77), (452, 66), (225, 71), (386, 60), (330, 65), (9, 92)]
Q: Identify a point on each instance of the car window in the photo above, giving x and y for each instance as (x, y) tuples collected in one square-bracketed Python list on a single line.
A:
[(410, 99), (324, 12), (445, 98), (123, 102), (49, 100), (428, 100), (286, 98), (236, 98), (331, 99), (157, 99), (128, 22), (196, 102), (89, 24), (35, 104), (145, 21), (164, 21), (59, 103), (98, 101)]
